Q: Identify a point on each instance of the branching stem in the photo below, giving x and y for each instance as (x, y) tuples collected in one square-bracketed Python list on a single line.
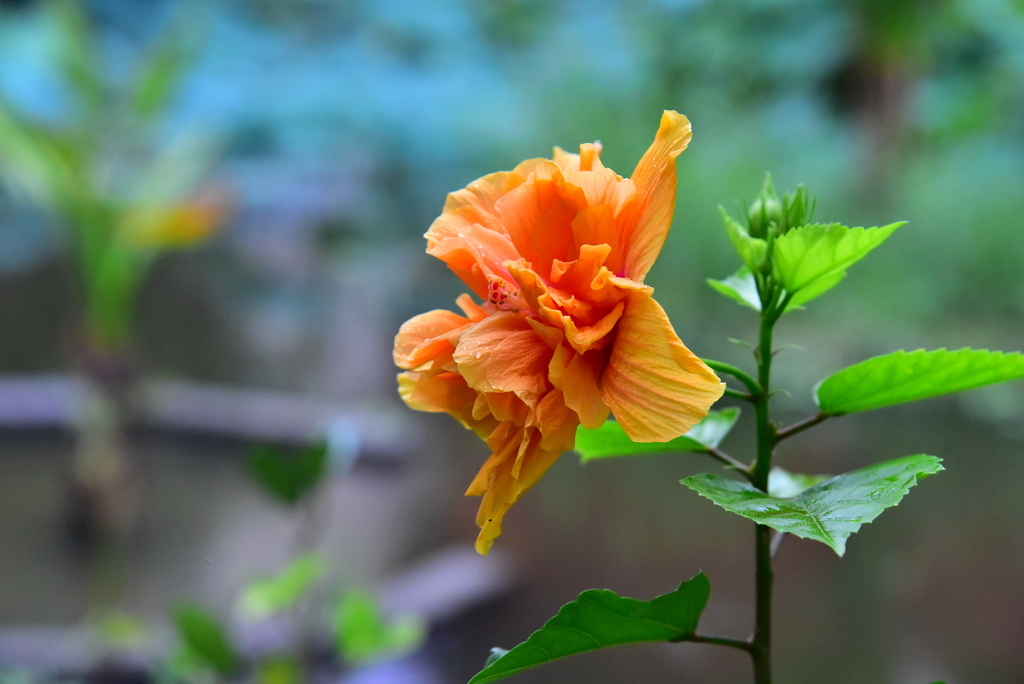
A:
[(728, 460), (800, 426), (721, 641), (736, 394), (774, 302), (735, 372)]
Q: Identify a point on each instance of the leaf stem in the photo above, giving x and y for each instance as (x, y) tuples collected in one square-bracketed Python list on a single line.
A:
[(735, 372), (721, 641), (800, 426), (719, 455), (736, 394)]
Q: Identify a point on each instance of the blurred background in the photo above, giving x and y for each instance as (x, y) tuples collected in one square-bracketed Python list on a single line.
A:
[(211, 220)]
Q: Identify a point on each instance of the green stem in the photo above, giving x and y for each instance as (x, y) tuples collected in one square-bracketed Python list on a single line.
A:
[(767, 437), (800, 426), (736, 394), (720, 641), (735, 372), (761, 649), (726, 459)]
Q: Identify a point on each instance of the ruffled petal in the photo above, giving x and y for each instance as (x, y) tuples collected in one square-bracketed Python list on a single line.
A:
[(577, 376), (474, 253), (422, 338), (474, 204), (656, 387), (503, 353), (438, 393), (499, 485), (589, 158), (646, 219), (538, 216)]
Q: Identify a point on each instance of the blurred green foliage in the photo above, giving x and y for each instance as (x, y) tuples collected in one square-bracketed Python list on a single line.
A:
[(907, 110), (289, 478), (363, 635), (119, 194)]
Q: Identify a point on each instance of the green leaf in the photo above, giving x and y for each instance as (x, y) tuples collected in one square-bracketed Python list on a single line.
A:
[(740, 287), (280, 669), (272, 595), (814, 290), (828, 512), (121, 630), (611, 440), (751, 249), (810, 254), (160, 73), (904, 376), (362, 635), (600, 619), (205, 639), (288, 478), (77, 54)]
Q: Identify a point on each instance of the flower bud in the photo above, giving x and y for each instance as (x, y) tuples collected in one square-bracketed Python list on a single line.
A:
[(798, 208), (765, 210)]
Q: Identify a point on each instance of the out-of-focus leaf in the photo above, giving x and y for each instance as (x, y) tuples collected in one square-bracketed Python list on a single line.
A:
[(280, 670), (828, 512), (121, 630), (289, 478), (205, 639), (904, 376), (160, 74), (783, 484), (739, 287), (600, 619), (805, 256), (282, 591), (610, 439), (78, 55), (41, 164), (274, 594), (362, 635)]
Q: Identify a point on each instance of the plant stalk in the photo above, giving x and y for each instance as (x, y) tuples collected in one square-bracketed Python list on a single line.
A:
[(767, 437)]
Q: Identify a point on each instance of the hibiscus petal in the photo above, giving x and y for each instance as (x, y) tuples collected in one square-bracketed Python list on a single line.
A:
[(423, 337), (443, 393), (557, 424), (583, 338), (577, 376), (656, 387), (475, 203), (504, 489), (474, 253), (588, 159), (502, 353), (647, 218), (538, 216), (504, 440), (595, 225)]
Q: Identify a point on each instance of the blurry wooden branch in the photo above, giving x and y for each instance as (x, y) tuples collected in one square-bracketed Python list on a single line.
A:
[(52, 402)]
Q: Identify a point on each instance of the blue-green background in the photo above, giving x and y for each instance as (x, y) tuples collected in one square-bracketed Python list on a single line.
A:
[(344, 124)]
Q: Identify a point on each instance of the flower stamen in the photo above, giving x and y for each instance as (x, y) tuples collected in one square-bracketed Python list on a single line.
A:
[(503, 295)]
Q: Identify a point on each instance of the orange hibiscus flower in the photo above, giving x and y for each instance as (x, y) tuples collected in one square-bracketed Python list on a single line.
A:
[(567, 332)]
